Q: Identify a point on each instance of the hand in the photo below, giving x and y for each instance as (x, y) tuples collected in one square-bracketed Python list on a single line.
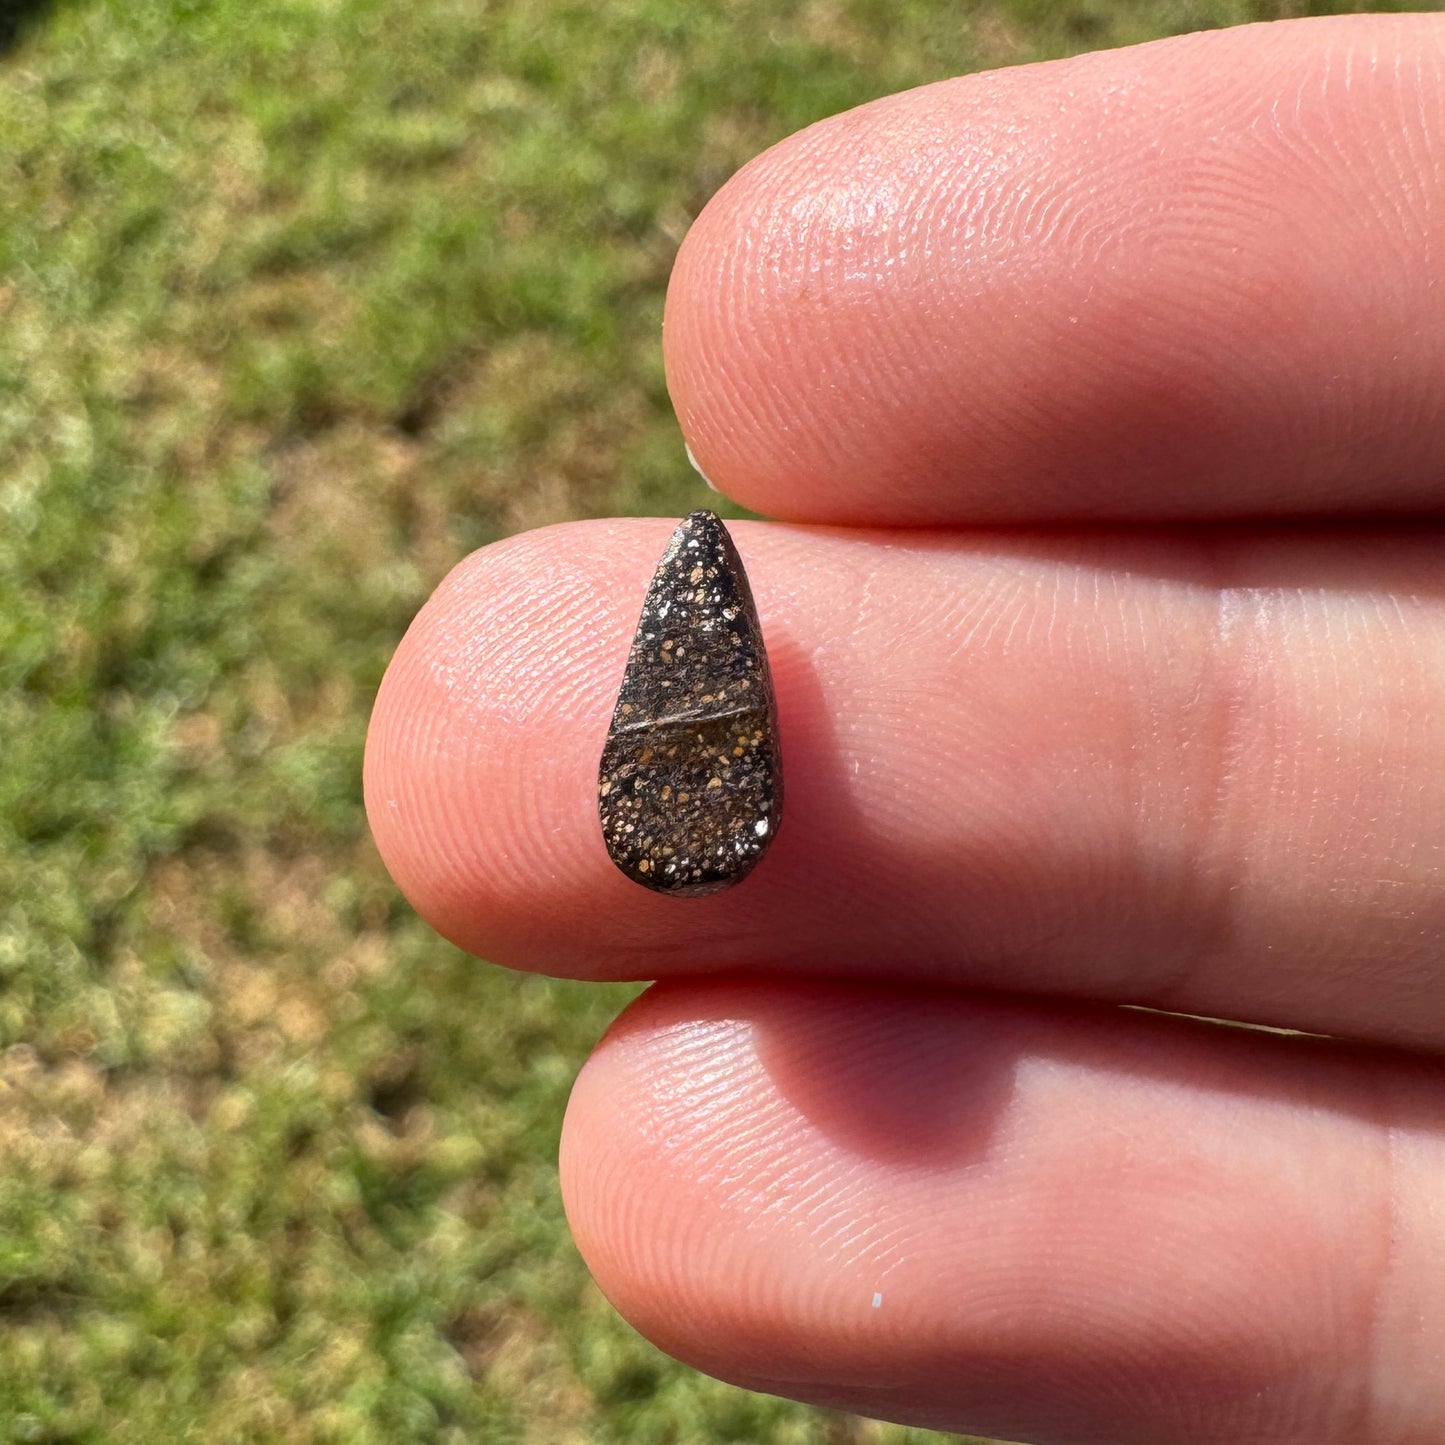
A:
[(1149, 753)]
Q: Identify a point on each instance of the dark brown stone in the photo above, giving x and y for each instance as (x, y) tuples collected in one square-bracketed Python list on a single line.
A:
[(690, 791)]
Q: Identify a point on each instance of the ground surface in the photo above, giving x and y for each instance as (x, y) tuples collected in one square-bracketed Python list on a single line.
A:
[(300, 300)]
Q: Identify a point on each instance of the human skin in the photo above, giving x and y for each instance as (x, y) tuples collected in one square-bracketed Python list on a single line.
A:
[(1105, 402)]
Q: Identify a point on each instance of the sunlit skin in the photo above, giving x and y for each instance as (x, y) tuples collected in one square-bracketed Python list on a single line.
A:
[(1167, 729)]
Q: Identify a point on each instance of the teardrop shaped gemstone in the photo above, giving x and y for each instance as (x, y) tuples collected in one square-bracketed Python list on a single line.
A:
[(690, 790)]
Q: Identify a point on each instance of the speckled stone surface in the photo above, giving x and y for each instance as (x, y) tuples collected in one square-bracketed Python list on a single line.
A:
[(690, 790)]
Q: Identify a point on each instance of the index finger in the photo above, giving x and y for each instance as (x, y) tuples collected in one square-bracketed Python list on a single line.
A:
[(1201, 277)]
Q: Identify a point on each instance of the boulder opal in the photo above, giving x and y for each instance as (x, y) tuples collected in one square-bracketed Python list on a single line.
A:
[(690, 789)]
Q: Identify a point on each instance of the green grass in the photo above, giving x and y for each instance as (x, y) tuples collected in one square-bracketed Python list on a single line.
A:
[(300, 300)]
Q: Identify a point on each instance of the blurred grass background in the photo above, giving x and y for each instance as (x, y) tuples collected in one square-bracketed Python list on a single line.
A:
[(301, 300)]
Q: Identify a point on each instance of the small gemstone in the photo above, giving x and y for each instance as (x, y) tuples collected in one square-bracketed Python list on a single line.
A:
[(690, 789)]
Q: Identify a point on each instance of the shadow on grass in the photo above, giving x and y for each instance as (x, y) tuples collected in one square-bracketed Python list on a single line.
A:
[(17, 18)]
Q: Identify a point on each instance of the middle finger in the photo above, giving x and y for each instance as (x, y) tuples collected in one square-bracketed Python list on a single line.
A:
[(1200, 772)]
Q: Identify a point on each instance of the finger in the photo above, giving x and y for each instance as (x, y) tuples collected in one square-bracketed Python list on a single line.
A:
[(1194, 278), (1047, 1226), (1202, 775)]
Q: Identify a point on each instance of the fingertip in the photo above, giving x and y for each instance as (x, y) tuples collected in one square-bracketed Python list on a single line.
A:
[(1036, 1223), (495, 691), (1178, 280)]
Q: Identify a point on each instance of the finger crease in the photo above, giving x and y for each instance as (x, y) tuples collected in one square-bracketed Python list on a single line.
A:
[(1220, 861)]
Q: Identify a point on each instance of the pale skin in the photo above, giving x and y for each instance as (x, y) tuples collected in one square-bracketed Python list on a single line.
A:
[(1051, 374)]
